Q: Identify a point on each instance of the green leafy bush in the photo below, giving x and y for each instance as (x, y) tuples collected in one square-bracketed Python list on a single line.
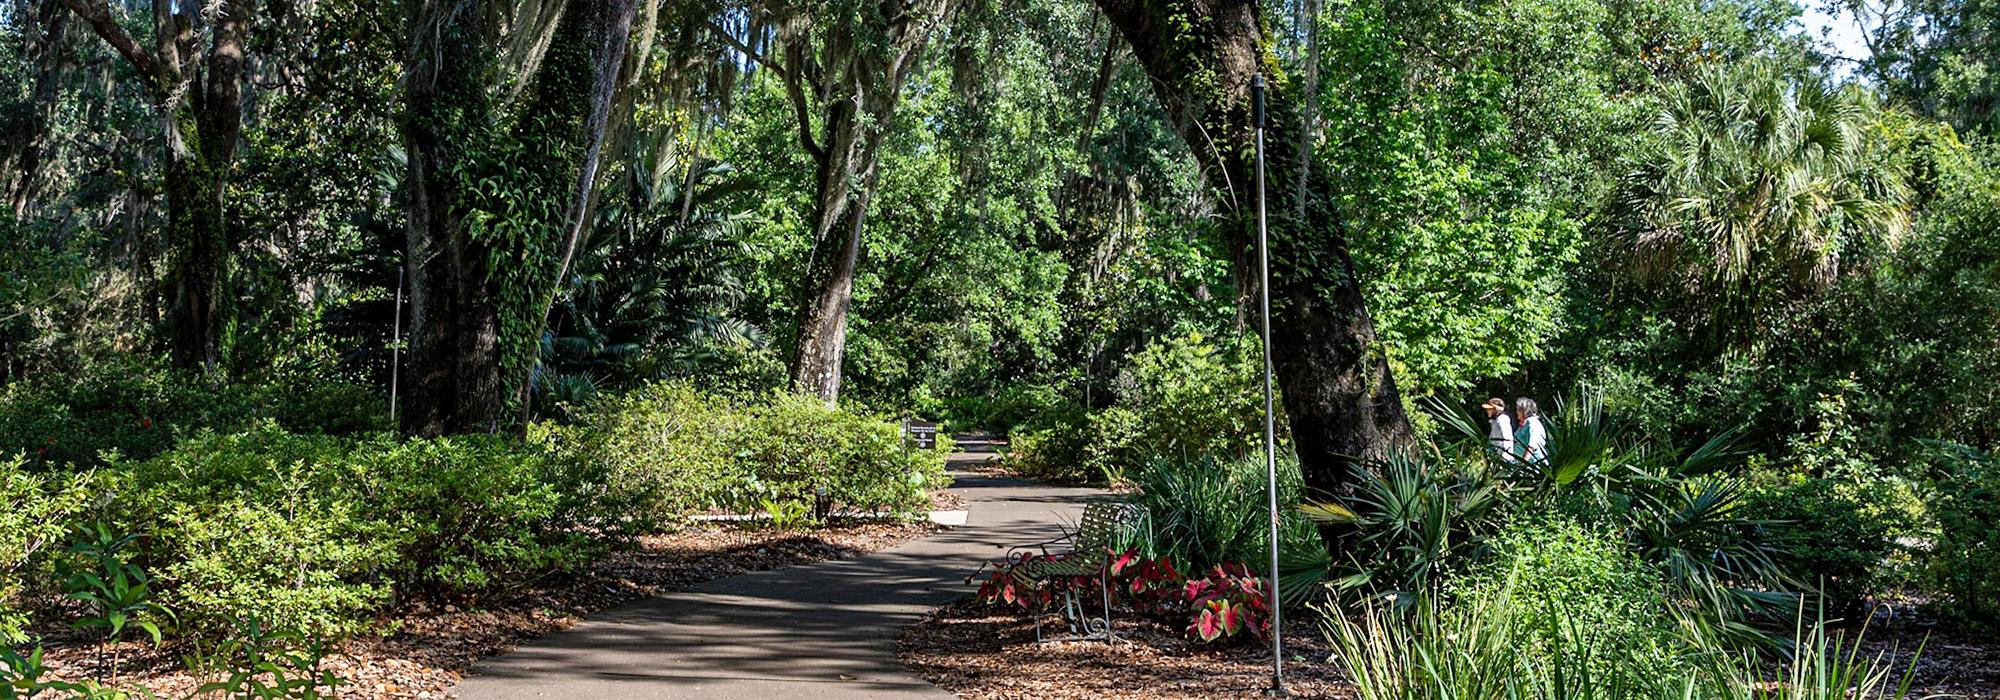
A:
[(1965, 562), (140, 409), (1840, 537), (664, 445), (678, 450), (1208, 511), (313, 533), (36, 512), (1185, 397), (1577, 594), (265, 524), (796, 448)]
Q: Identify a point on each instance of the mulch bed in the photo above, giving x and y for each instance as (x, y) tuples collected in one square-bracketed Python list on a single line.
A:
[(1955, 661), (984, 652), (431, 646)]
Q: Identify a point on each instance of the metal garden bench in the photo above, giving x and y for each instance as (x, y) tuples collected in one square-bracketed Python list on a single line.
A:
[(1087, 551)]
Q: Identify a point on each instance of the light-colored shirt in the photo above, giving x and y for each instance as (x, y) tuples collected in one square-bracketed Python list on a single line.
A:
[(1538, 439), (1502, 433)]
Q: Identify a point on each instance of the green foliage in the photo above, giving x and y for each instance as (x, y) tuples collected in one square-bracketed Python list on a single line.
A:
[(37, 511), (680, 451), (1966, 560), (1575, 594), (1753, 188), (269, 664), (1461, 136), (1496, 649), (1206, 511), (115, 591), (1424, 516), (313, 533), (140, 409), (1839, 537), (1185, 397)]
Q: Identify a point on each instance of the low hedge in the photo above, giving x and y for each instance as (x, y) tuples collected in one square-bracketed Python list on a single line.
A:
[(681, 451)]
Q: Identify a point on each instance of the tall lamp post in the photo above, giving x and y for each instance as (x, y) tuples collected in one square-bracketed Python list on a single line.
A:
[(1277, 688)]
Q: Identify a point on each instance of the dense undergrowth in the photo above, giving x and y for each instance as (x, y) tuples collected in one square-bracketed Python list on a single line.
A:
[(177, 509)]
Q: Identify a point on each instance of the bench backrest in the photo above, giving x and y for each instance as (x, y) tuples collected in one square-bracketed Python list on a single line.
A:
[(1105, 524)]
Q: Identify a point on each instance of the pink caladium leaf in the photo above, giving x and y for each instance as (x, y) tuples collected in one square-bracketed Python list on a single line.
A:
[(1206, 626), (1118, 565)]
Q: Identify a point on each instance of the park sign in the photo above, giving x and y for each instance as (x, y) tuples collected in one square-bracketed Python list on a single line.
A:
[(919, 434)]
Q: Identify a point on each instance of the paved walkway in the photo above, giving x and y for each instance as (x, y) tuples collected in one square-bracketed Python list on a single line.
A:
[(825, 631)]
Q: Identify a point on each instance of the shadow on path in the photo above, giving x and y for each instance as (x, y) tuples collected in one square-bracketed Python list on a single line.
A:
[(825, 631)]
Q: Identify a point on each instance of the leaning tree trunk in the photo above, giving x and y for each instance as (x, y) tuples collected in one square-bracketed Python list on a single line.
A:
[(1338, 391), (845, 181)]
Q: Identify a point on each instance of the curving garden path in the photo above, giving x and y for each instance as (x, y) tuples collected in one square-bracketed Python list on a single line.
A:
[(825, 631)]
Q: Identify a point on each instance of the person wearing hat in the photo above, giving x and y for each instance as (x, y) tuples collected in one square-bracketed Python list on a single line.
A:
[(1500, 429)]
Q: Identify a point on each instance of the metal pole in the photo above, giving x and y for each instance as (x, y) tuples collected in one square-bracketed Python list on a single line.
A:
[(1277, 688), (396, 348)]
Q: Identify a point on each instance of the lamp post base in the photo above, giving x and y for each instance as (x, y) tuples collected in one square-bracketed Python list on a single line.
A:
[(1276, 691)]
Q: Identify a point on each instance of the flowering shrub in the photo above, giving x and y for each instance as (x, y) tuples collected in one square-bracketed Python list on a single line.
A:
[(1227, 602)]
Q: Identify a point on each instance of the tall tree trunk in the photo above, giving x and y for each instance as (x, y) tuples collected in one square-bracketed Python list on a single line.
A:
[(1338, 391), (469, 317), (453, 382), (202, 120), (23, 148), (857, 90)]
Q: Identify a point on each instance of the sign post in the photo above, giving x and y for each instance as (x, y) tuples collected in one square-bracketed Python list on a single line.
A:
[(1277, 688)]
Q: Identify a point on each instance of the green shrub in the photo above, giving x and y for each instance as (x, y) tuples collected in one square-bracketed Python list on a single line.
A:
[(36, 512), (1184, 398), (1107, 446), (265, 524), (679, 451), (796, 448), (314, 533), (476, 514), (1196, 396), (1965, 563), (1207, 511), (1576, 594), (663, 446), (140, 409), (1840, 537)]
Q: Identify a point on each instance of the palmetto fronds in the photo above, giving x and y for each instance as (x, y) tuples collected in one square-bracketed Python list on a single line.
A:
[(1755, 184)]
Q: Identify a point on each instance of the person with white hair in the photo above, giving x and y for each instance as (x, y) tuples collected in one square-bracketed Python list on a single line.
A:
[(1531, 440)]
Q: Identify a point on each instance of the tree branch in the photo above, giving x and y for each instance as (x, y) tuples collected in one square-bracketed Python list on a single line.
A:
[(796, 94), (101, 22), (742, 48)]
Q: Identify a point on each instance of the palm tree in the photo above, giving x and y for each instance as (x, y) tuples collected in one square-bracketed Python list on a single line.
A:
[(1752, 185)]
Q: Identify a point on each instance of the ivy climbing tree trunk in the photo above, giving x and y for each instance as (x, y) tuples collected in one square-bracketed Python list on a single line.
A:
[(498, 191), (855, 68), (1339, 394), (199, 102)]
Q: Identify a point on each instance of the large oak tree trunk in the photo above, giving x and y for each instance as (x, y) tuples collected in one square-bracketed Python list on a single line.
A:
[(460, 303), (1338, 392), (24, 145), (453, 383)]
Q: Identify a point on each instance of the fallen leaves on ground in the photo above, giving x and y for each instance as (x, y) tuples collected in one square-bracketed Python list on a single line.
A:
[(988, 653)]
